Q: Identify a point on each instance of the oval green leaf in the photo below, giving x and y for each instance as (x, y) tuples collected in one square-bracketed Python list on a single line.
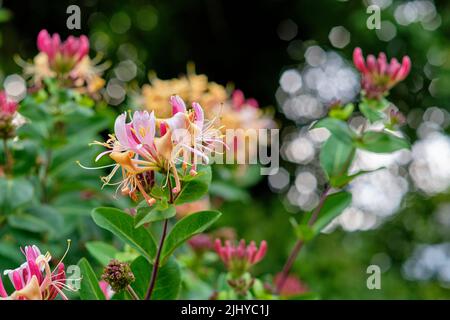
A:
[(186, 228), (122, 225)]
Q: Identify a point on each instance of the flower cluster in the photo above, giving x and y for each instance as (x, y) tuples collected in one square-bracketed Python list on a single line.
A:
[(34, 280), (67, 60), (238, 259), (236, 112), (147, 144), (62, 56), (379, 76)]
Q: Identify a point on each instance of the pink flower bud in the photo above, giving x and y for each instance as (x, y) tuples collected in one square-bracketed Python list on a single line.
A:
[(371, 63), (261, 252), (382, 63), (358, 60), (404, 69)]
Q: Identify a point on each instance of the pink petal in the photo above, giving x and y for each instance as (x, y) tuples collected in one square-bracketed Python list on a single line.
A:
[(178, 104)]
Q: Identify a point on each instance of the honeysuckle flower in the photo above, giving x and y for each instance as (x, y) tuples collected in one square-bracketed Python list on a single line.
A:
[(34, 279), (139, 150), (377, 75), (68, 61), (195, 138), (62, 56), (238, 259)]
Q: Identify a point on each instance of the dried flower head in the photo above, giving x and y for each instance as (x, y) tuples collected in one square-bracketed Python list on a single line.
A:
[(118, 275)]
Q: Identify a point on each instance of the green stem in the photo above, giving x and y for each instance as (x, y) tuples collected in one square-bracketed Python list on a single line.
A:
[(8, 157), (299, 244), (132, 293), (151, 286)]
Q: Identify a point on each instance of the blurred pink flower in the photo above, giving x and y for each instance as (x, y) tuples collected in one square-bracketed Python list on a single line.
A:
[(292, 286), (62, 55), (238, 100), (7, 107), (377, 75), (201, 242)]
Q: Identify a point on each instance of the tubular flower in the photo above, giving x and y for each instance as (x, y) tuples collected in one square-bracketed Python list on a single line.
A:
[(238, 259), (34, 280), (377, 75), (140, 150)]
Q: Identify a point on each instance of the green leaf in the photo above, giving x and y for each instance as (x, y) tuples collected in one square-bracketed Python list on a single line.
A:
[(29, 223), (89, 289), (333, 206), (186, 228), (382, 142), (157, 212), (342, 113), (338, 129), (101, 251), (14, 193), (372, 110), (193, 188), (304, 232), (122, 225), (228, 191), (336, 157), (341, 181), (168, 282)]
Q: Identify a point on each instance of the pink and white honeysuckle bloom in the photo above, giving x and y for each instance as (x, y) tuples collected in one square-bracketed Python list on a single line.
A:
[(34, 279), (62, 56), (139, 150), (238, 259), (195, 137), (377, 75)]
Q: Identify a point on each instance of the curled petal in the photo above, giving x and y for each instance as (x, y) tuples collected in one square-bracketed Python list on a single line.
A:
[(358, 60), (3, 293), (199, 115), (178, 104), (404, 69)]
